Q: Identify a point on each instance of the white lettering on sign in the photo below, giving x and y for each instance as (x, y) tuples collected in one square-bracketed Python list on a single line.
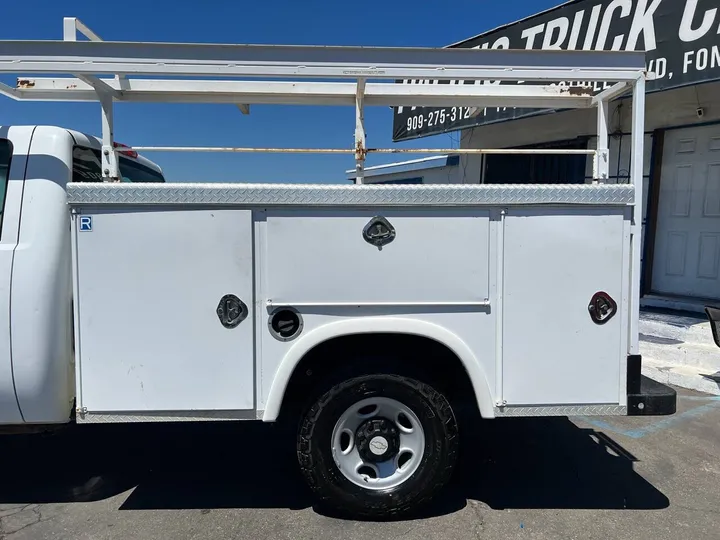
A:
[(643, 23), (687, 32), (701, 59), (658, 66), (575, 32), (529, 35), (552, 42), (592, 26), (500, 43), (626, 7)]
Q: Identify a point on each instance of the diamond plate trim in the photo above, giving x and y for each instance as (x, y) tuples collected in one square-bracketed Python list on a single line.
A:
[(564, 410), (323, 195), (163, 416)]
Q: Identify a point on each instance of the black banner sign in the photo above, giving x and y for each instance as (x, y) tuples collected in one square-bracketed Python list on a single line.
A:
[(681, 39)]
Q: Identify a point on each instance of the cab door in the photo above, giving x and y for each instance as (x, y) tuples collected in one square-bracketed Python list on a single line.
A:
[(14, 147)]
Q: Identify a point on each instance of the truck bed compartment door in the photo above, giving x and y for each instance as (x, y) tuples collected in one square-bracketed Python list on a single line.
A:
[(165, 310), (556, 260)]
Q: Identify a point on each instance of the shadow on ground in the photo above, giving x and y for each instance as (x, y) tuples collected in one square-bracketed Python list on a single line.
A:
[(510, 463)]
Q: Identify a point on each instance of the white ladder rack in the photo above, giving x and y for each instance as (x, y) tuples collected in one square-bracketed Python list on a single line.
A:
[(350, 70)]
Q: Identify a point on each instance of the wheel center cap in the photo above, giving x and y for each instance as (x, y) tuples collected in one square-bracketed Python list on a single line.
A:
[(379, 445), (378, 440)]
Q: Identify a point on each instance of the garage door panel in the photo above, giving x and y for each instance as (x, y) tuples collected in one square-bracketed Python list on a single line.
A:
[(686, 145), (681, 191), (711, 193), (677, 248), (709, 255)]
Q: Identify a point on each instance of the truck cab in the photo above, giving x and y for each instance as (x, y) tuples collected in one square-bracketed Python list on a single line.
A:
[(36, 331)]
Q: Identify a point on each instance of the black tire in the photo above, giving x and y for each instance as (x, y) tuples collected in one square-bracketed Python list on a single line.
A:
[(335, 490)]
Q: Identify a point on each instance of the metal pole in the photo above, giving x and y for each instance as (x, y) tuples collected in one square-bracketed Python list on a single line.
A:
[(602, 157), (636, 176), (73, 25), (241, 149), (499, 300), (360, 132), (110, 169)]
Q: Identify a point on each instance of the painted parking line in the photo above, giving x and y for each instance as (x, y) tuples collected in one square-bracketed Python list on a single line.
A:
[(712, 403), (700, 398)]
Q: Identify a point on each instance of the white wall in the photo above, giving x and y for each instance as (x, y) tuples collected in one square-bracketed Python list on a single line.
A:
[(436, 175)]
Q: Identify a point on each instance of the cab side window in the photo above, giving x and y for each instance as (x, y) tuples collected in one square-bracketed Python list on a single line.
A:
[(87, 168), (5, 155), (86, 165)]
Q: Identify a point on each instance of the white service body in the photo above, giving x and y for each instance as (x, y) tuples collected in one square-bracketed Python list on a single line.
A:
[(495, 273)]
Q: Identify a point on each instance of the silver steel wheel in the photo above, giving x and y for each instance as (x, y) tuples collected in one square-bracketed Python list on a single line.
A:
[(378, 443)]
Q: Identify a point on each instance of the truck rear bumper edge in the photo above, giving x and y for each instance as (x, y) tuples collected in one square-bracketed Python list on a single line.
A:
[(645, 396)]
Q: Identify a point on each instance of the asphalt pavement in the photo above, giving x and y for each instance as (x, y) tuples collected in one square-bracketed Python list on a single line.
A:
[(544, 478)]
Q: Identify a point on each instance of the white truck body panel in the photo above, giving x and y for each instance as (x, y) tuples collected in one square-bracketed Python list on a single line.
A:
[(277, 371), (158, 345), (552, 350), (325, 252), (153, 345)]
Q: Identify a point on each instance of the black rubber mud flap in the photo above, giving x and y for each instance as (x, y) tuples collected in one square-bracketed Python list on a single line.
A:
[(645, 396)]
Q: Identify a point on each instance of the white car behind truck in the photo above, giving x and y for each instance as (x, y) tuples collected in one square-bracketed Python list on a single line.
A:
[(361, 313)]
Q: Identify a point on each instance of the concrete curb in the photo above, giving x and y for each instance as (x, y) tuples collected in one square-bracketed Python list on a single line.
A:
[(690, 377)]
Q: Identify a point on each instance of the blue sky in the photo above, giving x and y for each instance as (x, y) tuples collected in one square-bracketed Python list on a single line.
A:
[(312, 22)]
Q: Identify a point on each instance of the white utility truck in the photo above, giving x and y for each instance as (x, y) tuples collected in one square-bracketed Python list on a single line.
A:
[(362, 313)]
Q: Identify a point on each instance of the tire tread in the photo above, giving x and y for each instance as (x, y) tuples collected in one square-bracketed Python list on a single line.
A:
[(309, 470)]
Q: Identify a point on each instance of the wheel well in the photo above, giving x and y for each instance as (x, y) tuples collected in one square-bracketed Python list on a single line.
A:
[(359, 354)]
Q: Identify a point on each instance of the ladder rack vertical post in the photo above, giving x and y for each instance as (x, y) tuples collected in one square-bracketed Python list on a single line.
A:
[(110, 169), (601, 159), (73, 25), (636, 177), (360, 150), (69, 29)]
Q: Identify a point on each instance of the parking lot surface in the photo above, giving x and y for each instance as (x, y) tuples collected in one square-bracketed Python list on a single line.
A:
[(546, 478)]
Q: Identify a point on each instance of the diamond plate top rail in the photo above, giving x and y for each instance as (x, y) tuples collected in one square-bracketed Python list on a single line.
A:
[(96, 194)]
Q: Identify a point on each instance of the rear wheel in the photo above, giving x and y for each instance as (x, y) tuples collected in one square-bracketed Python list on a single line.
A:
[(378, 445)]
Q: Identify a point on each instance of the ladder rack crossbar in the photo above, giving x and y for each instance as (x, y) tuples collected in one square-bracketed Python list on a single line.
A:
[(201, 59), (458, 151), (304, 93)]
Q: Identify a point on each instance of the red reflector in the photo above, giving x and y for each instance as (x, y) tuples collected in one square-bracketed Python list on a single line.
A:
[(129, 153)]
